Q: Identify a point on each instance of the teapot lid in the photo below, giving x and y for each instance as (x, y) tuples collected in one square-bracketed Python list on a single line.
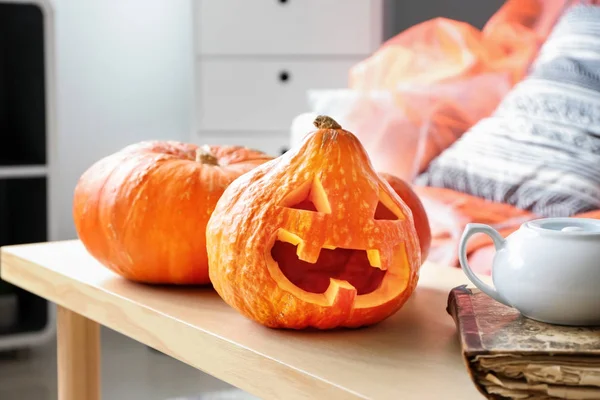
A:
[(566, 226)]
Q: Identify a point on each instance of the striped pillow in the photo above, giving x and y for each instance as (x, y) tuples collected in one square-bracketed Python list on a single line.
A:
[(540, 151)]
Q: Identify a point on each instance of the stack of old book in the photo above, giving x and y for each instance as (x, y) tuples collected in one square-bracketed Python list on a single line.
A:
[(510, 356)]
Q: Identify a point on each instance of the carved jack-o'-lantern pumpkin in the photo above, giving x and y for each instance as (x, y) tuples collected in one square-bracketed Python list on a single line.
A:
[(314, 238)]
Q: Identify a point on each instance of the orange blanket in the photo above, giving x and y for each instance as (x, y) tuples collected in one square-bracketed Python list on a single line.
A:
[(450, 211)]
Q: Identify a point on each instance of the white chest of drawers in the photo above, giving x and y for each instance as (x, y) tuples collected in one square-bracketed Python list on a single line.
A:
[(255, 60)]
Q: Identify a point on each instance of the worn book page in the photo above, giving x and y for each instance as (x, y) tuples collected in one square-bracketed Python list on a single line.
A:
[(517, 389), (544, 369)]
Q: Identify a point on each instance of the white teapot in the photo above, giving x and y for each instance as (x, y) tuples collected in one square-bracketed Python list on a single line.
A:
[(549, 269)]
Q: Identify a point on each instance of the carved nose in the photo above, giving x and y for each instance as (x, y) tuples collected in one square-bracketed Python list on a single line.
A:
[(572, 229)]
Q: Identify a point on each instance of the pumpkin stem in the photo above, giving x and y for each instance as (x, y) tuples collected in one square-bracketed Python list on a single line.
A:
[(203, 156), (325, 122)]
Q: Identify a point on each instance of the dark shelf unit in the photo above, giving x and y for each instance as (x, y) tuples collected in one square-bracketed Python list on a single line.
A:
[(23, 153)]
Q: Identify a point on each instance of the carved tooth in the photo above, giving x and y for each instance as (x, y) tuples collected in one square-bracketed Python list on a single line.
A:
[(288, 237), (308, 251), (341, 292), (374, 258)]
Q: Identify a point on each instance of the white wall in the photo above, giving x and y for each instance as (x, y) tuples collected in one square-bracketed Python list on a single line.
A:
[(124, 74)]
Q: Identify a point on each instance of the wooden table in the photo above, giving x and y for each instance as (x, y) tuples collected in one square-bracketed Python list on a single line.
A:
[(413, 355)]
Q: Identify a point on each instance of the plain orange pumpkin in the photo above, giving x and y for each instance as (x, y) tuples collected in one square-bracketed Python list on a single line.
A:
[(314, 238), (407, 194), (142, 212)]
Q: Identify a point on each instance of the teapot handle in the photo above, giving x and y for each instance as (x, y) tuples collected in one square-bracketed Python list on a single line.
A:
[(499, 242)]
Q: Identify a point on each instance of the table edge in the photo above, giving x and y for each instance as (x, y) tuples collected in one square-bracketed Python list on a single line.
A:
[(11, 271)]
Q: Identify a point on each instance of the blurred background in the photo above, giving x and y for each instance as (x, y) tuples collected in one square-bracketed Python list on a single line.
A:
[(81, 79)]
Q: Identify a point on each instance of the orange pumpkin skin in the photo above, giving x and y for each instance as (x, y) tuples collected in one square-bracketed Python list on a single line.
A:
[(404, 190), (314, 238), (142, 212)]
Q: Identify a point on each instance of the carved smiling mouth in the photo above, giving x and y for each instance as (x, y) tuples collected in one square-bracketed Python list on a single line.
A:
[(360, 268)]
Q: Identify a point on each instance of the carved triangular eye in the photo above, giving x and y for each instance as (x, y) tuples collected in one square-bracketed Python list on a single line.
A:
[(386, 209), (384, 213), (310, 196), (306, 205)]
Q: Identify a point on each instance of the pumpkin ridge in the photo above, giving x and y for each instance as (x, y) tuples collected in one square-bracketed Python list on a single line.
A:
[(120, 234), (83, 188), (236, 155), (141, 183), (103, 200)]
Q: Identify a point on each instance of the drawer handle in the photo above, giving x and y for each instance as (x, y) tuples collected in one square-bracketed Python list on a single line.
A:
[(284, 76), (283, 2)]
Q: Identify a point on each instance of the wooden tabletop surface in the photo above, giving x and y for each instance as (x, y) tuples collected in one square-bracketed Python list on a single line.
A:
[(412, 355)]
